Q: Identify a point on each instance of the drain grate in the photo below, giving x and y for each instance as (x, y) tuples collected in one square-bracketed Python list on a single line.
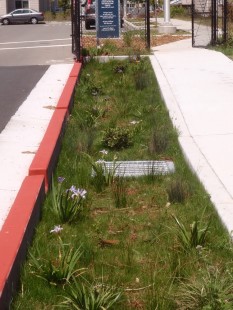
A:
[(138, 168)]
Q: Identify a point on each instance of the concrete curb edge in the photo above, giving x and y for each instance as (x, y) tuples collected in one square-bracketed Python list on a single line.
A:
[(18, 229)]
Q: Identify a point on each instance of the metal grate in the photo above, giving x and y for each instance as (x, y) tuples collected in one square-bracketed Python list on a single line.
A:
[(137, 168)]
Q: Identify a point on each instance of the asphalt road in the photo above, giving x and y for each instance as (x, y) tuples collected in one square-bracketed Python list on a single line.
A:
[(26, 51)]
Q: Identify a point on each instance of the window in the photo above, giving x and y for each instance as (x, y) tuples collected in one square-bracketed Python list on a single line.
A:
[(21, 4), (16, 12)]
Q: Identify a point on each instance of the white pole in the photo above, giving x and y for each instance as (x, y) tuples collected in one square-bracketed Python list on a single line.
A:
[(166, 11), (167, 26)]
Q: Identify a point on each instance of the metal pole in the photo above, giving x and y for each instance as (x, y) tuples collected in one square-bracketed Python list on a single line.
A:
[(167, 11), (225, 21), (193, 15), (213, 23), (78, 31), (148, 24)]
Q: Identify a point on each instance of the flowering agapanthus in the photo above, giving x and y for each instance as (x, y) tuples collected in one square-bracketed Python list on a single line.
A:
[(104, 152), (77, 192), (60, 179), (57, 229)]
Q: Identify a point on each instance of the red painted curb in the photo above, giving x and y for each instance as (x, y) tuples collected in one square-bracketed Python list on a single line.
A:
[(67, 96), (76, 69), (46, 157), (17, 233), (18, 228)]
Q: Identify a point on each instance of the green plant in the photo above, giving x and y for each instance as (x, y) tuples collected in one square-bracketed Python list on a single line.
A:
[(141, 80), (118, 138), (177, 10), (213, 289), (194, 237), (91, 297), (67, 204), (159, 141), (120, 69), (101, 175), (64, 4), (59, 269), (128, 38), (178, 190), (86, 140), (136, 241), (119, 192), (95, 51), (109, 47)]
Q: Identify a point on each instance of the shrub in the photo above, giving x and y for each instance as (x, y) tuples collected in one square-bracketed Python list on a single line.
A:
[(177, 10), (118, 138)]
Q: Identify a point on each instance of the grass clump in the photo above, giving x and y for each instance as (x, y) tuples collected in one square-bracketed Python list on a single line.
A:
[(61, 270), (91, 296), (137, 247)]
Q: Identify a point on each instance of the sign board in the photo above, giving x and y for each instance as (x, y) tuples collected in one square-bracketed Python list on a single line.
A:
[(108, 18)]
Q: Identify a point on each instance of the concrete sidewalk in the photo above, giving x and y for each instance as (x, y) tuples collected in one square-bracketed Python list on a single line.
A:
[(197, 86), (21, 137)]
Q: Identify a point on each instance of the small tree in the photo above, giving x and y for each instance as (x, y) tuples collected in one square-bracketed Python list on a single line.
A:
[(64, 4)]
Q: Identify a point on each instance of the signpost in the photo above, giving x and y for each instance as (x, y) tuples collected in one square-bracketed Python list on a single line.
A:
[(108, 19)]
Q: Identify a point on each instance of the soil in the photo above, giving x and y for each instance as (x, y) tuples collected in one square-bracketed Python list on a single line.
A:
[(110, 46)]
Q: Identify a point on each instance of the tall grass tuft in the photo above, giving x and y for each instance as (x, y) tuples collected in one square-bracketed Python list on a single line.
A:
[(178, 190), (212, 289), (92, 297), (192, 238), (60, 269), (119, 190), (159, 141), (101, 176), (86, 141)]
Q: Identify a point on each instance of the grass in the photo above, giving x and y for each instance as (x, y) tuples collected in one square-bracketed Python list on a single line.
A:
[(135, 247), (57, 16)]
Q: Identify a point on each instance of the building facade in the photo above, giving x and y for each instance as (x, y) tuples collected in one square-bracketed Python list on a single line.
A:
[(7, 6)]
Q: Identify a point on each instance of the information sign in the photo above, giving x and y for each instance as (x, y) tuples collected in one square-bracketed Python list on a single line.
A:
[(108, 18)]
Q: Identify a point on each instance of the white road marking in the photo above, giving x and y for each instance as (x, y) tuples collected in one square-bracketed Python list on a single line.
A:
[(20, 42), (38, 46)]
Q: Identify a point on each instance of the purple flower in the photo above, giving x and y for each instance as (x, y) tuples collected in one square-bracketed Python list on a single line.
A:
[(82, 193), (60, 179), (72, 189), (57, 229), (77, 192)]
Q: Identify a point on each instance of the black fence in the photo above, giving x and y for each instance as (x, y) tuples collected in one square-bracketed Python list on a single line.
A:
[(80, 31), (76, 29), (209, 22)]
